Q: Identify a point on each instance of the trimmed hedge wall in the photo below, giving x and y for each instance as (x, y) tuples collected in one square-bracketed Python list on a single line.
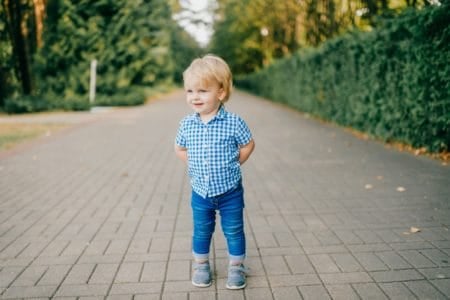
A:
[(392, 83)]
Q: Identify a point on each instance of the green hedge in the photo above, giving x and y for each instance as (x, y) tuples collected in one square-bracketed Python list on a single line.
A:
[(135, 95), (28, 104), (392, 83)]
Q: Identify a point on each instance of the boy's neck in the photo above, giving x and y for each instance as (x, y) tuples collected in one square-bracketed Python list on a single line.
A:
[(206, 118)]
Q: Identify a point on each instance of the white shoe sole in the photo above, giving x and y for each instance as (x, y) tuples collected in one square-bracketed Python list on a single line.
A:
[(234, 287), (202, 285)]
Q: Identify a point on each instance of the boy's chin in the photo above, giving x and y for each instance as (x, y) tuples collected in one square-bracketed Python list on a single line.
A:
[(197, 108)]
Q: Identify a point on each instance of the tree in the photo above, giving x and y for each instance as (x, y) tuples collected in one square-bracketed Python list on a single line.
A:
[(16, 13), (258, 31), (130, 40)]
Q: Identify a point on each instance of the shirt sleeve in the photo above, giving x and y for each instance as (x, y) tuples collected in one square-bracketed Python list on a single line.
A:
[(243, 134), (180, 139)]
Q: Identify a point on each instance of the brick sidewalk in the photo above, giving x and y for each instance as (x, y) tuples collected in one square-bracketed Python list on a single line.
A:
[(102, 211)]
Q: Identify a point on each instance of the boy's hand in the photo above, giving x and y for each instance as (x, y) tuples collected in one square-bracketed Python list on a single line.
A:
[(245, 151), (181, 153)]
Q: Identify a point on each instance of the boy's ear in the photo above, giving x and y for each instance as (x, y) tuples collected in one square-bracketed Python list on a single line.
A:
[(222, 94)]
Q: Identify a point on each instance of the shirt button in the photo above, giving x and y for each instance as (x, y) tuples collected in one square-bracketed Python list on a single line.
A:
[(206, 177)]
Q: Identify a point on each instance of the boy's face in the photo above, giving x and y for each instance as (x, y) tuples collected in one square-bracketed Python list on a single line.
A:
[(204, 97)]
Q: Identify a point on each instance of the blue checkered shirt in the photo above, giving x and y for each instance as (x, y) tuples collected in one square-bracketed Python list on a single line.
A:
[(213, 151)]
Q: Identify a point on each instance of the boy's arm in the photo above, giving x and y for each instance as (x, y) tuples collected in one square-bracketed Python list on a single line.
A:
[(245, 151), (181, 153)]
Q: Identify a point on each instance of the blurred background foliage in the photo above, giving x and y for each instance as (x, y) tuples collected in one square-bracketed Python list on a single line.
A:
[(46, 47), (250, 34), (378, 65), (392, 82)]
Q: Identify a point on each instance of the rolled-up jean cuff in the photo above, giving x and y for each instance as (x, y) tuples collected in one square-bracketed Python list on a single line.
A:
[(236, 258), (200, 256)]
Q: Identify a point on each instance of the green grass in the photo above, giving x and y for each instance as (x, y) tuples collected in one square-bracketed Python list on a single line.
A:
[(13, 134)]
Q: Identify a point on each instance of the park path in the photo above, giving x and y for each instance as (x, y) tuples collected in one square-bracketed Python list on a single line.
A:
[(102, 211)]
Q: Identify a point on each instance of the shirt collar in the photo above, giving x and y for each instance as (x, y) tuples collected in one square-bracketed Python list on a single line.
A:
[(221, 113)]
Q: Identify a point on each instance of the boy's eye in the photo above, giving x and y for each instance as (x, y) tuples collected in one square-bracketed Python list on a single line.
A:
[(202, 91)]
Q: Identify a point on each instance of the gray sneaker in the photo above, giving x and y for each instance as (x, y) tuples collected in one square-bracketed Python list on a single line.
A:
[(236, 277), (202, 275)]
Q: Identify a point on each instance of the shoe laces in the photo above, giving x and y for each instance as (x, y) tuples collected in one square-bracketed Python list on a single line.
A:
[(201, 266), (239, 268)]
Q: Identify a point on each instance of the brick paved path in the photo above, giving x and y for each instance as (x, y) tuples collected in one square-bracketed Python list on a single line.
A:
[(103, 211)]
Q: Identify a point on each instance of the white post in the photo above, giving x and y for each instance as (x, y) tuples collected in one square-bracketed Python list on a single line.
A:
[(92, 81)]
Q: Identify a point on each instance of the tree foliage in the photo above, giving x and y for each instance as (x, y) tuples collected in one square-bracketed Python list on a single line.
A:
[(129, 39), (250, 34), (47, 47)]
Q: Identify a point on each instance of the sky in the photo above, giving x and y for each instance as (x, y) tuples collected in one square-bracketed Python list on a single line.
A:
[(198, 10)]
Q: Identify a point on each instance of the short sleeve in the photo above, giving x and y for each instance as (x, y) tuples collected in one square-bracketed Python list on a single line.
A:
[(243, 134), (180, 139)]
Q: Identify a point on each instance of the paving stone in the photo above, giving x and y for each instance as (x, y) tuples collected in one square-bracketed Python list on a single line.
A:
[(265, 240), (346, 262), (412, 245), (293, 280), (348, 237), (307, 239), (103, 273), (147, 297), (286, 293), (28, 292), (442, 285), (54, 275), (135, 288), (325, 249), (275, 265), (424, 290), (202, 295), (79, 274), (30, 276), (286, 239), (369, 291), (323, 263), (9, 274), (231, 295), (299, 264), (396, 275), (129, 272), (396, 290), (174, 296), (341, 278), (435, 273), (258, 294), (439, 257), (341, 291), (154, 271), (416, 259), (179, 270), (82, 290), (371, 262), (393, 260)]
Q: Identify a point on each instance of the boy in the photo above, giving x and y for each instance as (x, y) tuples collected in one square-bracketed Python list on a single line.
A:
[(214, 143)]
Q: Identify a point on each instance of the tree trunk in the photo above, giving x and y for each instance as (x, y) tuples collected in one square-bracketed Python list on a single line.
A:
[(39, 10), (14, 16)]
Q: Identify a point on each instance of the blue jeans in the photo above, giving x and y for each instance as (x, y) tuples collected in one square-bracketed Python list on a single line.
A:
[(231, 208)]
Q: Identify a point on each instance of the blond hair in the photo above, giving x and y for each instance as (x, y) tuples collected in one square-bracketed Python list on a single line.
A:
[(210, 68)]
